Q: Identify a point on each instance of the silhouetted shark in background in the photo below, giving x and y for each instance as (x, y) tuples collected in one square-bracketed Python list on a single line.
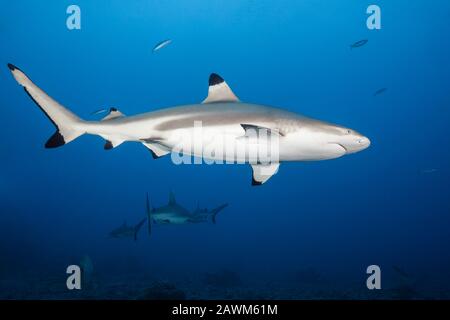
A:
[(173, 213), (125, 231)]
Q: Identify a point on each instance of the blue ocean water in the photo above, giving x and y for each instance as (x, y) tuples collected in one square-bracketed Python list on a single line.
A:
[(311, 231)]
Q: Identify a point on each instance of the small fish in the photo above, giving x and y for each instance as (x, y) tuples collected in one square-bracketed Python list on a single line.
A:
[(99, 111), (359, 43), (161, 45), (379, 91)]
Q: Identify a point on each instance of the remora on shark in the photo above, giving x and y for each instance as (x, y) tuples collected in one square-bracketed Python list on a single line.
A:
[(298, 138)]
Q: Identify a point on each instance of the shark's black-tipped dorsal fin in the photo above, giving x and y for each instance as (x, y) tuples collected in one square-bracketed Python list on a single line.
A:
[(219, 91), (172, 198)]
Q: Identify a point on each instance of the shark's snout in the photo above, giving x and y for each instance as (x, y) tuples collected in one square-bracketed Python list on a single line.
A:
[(357, 144), (364, 142)]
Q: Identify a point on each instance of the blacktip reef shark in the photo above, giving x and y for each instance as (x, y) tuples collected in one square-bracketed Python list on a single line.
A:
[(174, 213), (222, 115), (126, 231)]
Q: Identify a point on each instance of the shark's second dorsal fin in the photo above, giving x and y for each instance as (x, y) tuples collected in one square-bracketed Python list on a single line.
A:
[(113, 113), (172, 198), (219, 91)]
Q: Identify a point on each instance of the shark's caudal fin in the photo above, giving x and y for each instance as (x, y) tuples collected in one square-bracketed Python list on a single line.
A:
[(68, 125), (149, 215), (138, 227), (215, 211)]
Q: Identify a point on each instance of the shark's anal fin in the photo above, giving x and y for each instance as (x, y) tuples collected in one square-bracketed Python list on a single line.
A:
[(263, 172), (157, 150), (219, 91), (111, 144)]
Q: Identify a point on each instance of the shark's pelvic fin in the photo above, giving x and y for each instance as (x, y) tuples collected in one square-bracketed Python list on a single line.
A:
[(156, 149), (263, 172), (113, 114), (219, 91)]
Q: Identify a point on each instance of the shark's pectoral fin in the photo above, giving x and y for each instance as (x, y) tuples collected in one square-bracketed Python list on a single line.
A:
[(263, 172), (252, 130), (219, 91), (157, 149)]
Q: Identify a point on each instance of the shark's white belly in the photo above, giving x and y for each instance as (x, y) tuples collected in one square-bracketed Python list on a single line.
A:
[(226, 143), (222, 144)]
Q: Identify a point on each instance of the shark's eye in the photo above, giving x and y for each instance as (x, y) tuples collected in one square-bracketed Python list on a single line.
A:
[(349, 131)]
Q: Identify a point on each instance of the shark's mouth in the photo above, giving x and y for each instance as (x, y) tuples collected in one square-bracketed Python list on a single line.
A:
[(340, 145)]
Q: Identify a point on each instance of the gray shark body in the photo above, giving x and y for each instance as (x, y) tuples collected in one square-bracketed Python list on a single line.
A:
[(175, 214), (126, 231), (247, 130)]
